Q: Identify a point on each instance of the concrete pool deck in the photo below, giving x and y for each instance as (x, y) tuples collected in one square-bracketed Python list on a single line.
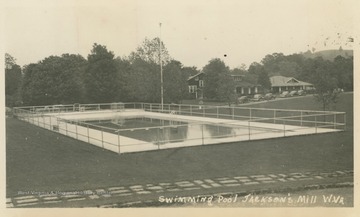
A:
[(122, 144)]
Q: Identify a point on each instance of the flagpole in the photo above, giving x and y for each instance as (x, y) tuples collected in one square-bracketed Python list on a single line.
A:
[(161, 74)]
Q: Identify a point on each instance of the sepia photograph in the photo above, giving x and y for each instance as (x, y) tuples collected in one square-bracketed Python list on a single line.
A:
[(179, 104)]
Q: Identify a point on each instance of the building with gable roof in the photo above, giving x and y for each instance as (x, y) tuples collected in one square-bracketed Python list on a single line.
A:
[(282, 83), (196, 85)]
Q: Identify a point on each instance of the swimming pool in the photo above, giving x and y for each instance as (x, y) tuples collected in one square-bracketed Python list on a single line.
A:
[(144, 129), (162, 131)]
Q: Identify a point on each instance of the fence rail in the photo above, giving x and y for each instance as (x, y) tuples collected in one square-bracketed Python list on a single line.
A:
[(233, 124)]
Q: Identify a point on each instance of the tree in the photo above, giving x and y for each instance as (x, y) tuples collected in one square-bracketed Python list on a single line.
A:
[(54, 80), (175, 82), (32, 92), (123, 67), (101, 77), (255, 68), (190, 71), (343, 68), (217, 80), (325, 84), (10, 61), (288, 69), (239, 71), (264, 80), (144, 81), (149, 51), (226, 89), (13, 77), (271, 63), (144, 77)]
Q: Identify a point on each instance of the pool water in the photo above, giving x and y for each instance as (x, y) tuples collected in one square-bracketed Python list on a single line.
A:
[(159, 131)]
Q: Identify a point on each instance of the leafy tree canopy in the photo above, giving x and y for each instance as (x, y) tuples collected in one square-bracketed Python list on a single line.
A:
[(217, 80), (149, 51), (54, 80), (101, 79), (99, 52), (13, 79)]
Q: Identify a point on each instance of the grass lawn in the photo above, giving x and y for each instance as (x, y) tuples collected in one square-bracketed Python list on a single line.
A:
[(41, 160), (344, 104)]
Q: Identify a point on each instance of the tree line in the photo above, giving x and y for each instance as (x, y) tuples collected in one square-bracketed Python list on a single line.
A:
[(104, 78), (101, 78)]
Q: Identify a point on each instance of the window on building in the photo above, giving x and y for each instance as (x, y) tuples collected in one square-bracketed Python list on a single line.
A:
[(201, 83), (237, 78), (192, 88)]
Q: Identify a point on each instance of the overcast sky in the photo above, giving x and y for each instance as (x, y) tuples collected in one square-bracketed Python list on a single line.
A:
[(194, 31)]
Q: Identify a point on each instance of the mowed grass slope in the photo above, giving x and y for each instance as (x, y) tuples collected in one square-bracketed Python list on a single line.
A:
[(41, 160), (344, 104)]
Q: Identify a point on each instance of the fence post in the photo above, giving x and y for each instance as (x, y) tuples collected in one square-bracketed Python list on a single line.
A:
[(66, 131), (102, 139), (315, 124), (250, 114), (38, 121), (233, 113), (301, 118), (151, 107), (203, 108), (98, 106), (284, 128), (249, 129), (179, 109), (50, 123), (274, 116), (335, 121), (344, 121), (118, 141), (76, 131), (190, 110), (202, 133), (217, 111), (158, 138), (88, 133)]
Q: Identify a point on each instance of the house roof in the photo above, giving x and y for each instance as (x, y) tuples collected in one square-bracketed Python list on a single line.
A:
[(245, 84), (232, 75), (282, 81), (191, 77)]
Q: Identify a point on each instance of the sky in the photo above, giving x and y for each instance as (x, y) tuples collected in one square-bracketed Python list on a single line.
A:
[(194, 31)]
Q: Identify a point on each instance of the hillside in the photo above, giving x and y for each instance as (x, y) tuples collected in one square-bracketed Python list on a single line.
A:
[(329, 54)]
